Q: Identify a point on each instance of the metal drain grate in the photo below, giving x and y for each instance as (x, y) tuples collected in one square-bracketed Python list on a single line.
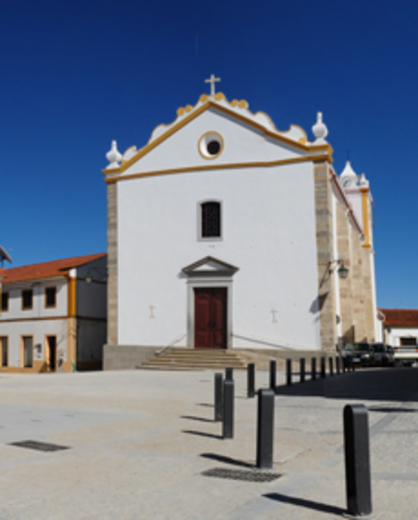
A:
[(241, 474), (40, 446)]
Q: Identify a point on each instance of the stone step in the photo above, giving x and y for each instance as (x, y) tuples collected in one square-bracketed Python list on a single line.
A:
[(194, 359), (193, 363), (191, 356), (201, 354)]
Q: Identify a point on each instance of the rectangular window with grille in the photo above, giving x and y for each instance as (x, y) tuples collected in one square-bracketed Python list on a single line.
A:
[(50, 297), (408, 341), (27, 297), (4, 301), (211, 220)]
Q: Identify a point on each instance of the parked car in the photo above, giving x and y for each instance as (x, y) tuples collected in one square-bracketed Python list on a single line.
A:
[(357, 354), (382, 355), (406, 355), (367, 354)]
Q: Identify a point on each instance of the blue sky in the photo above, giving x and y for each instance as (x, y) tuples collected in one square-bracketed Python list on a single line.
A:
[(75, 75)]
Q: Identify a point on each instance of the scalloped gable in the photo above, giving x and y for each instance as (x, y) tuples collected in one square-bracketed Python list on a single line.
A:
[(277, 146)]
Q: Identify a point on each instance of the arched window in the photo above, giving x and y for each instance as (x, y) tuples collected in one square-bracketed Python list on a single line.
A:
[(210, 218)]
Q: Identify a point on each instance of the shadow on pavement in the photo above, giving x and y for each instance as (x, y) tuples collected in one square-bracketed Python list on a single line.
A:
[(391, 384), (227, 460), (392, 409), (203, 434), (193, 418), (302, 502)]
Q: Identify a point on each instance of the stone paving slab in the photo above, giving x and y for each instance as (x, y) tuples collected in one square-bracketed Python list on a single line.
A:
[(140, 441)]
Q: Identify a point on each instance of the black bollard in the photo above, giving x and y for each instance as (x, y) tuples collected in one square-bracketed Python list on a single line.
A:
[(228, 415), (357, 460), (265, 429), (302, 369), (331, 366), (313, 368), (273, 375), (288, 372), (337, 364), (250, 380), (229, 373), (323, 374), (218, 397)]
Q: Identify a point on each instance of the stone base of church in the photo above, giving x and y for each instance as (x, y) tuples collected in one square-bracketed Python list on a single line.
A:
[(119, 357)]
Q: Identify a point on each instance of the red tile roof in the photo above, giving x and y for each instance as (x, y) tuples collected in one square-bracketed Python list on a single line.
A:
[(45, 269), (400, 317)]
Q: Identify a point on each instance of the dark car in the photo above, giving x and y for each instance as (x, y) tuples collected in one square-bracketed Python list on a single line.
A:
[(357, 354), (381, 355), (367, 354)]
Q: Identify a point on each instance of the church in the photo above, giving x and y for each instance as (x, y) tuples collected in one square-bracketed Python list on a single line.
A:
[(227, 233)]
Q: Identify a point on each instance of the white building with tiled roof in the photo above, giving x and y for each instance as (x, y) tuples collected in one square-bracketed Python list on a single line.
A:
[(53, 315), (227, 233), (400, 326)]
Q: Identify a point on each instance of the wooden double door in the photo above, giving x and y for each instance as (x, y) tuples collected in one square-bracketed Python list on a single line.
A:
[(210, 317)]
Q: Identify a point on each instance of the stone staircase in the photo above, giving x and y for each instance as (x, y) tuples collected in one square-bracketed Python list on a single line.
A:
[(194, 359)]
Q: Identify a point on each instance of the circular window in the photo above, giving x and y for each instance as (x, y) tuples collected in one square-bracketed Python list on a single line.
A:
[(211, 145)]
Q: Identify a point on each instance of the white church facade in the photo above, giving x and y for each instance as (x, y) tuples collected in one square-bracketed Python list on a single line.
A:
[(226, 233)]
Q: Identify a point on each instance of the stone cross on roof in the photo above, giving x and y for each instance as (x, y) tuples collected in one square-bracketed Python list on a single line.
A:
[(212, 80)]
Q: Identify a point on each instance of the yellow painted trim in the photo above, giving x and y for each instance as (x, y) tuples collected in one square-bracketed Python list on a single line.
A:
[(210, 104), (210, 157), (366, 217), (72, 302), (38, 366), (258, 164), (71, 344)]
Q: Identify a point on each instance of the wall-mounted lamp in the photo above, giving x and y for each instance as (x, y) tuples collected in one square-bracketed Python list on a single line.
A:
[(342, 271)]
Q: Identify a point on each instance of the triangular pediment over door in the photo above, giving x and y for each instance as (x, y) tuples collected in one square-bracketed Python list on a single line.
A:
[(210, 266)]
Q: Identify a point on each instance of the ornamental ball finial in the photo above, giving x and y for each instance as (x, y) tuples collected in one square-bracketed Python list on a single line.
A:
[(113, 156), (319, 129)]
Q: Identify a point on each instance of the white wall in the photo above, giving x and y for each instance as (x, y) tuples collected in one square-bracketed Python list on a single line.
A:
[(268, 233), (393, 337), (36, 324), (242, 143), (39, 330), (38, 309)]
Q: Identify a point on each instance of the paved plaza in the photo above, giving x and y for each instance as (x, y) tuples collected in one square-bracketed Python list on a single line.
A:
[(139, 442)]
